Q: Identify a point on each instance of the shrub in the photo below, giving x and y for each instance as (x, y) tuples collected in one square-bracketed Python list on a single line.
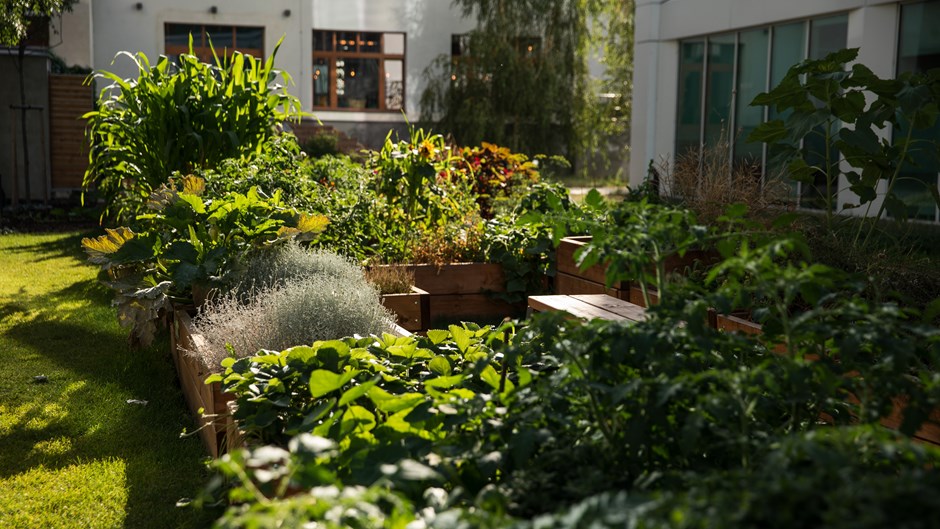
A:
[(494, 173), (291, 263), (179, 117), (707, 182), (323, 303), (391, 279), (322, 144)]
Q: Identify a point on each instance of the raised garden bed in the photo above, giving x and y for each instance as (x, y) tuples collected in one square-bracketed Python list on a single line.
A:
[(412, 308), (463, 290), (570, 279), (929, 431), (207, 402), (210, 406)]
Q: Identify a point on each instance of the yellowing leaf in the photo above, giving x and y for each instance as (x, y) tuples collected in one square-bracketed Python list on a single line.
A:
[(312, 223), (99, 248), (193, 185)]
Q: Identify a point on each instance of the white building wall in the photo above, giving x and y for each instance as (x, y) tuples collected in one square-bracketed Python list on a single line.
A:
[(98, 30), (120, 26), (428, 25), (70, 35), (872, 27)]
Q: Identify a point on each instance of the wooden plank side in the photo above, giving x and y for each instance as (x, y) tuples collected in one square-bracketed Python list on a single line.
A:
[(929, 432), (735, 324), (460, 278), (457, 278), (470, 306), (571, 305), (407, 308), (625, 309), (69, 99), (565, 262), (569, 284)]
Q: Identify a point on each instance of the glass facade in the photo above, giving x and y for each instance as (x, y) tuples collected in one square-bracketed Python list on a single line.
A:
[(919, 51), (691, 69), (716, 88)]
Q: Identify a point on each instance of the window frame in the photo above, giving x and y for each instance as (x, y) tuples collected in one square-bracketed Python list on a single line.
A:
[(331, 56), (704, 96), (201, 47)]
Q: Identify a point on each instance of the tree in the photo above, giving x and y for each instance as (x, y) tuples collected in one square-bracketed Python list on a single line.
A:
[(521, 79), (15, 19)]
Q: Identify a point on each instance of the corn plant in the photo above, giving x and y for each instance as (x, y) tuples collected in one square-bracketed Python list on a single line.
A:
[(179, 116)]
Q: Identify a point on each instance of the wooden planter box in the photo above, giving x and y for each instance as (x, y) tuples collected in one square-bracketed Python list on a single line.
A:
[(463, 290), (571, 280), (198, 394), (412, 308), (929, 432)]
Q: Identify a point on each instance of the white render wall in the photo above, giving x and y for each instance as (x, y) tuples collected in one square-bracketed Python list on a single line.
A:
[(428, 25), (70, 35), (120, 26), (872, 27), (97, 30)]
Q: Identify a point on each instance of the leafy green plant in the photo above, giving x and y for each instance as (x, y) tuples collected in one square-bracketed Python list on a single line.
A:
[(637, 239), (179, 117), (830, 114), (371, 395), (188, 241)]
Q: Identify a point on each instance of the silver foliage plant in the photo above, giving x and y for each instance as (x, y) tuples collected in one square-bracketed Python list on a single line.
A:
[(291, 297)]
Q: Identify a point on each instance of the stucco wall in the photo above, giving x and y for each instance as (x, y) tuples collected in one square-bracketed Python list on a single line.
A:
[(120, 26), (71, 35)]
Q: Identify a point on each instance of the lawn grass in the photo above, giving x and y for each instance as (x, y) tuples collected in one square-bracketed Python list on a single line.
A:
[(73, 451)]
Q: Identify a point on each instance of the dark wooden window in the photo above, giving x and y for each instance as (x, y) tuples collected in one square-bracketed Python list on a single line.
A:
[(358, 70), (225, 39)]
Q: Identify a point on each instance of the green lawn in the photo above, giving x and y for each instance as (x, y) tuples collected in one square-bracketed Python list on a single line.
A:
[(73, 452)]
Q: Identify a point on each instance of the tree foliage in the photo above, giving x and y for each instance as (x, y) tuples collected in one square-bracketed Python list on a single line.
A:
[(15, 14), (521, 77)]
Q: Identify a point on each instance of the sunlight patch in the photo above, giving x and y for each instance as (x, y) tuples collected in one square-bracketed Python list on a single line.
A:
[(52, 447), (91, 494)]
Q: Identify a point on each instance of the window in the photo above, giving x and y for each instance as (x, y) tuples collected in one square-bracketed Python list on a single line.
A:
[(246, 39), (720, 75), (919, 51), (358, 70)]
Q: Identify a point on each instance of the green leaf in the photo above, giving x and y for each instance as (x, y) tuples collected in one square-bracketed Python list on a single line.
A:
[(444, 382), (355, 392), (356, 418), (440, 366), (317, 412), (390, 403), (437, 336), (491, 377), (323, 381), (594, 198), (461, 337)]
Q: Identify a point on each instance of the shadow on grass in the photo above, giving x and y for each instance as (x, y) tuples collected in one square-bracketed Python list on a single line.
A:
[(82, 413), (67, 247)]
